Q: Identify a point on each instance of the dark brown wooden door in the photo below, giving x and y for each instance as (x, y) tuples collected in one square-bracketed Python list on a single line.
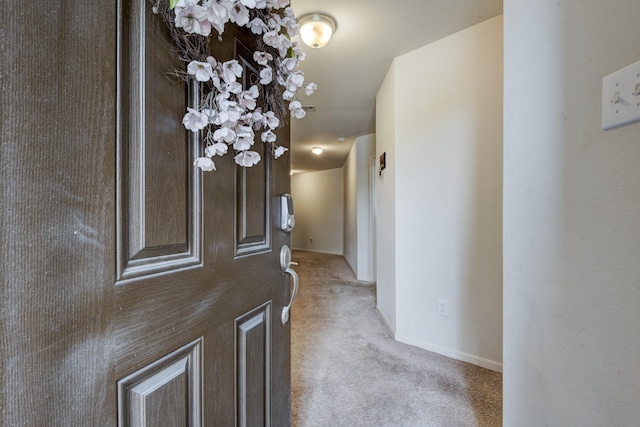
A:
[(137, 291)]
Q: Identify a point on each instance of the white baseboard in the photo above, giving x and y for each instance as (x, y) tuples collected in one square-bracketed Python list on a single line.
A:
[(385, 322), (454, 354), (318, 251)]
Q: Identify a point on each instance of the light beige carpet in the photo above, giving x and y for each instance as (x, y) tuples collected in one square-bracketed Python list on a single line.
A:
[(348, 371)]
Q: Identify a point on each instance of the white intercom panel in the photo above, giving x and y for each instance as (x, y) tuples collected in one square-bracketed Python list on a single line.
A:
[(287, 221)]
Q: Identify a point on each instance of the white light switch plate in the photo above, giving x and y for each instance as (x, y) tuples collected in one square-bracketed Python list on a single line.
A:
[(621, 96)]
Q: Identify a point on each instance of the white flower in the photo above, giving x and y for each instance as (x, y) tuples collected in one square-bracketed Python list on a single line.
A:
[(274, 23), (283, 47), (257, 117), (290, 23), (247, 158), (211, 114), (272, 38), (271, 119), (243, 143), (234, 88), (195, 120), (224, 134), (239, 14), (211, 60), (301, 55), (295, 80), (228, 118), (244, 130), (262, 58), (268, 136), (310, 88), (186, 3), (296, 109), (205, 163), (218, 13), (253, 92), (287, 95), (249, 3), (248, 98), (202, 70), (279, 151), (231, 70), (279, 4), (257, 26), (266, 76), (193, 19), (289, 63), (298, 113), (217, 149), (293, 105)]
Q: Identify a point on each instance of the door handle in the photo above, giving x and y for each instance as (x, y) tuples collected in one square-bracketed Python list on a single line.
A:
[(285, 265)]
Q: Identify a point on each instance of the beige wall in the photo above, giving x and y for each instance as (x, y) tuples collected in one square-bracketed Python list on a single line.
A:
[(358, 208), (386, 200), (571, 218), (447, 135), (319, 211)]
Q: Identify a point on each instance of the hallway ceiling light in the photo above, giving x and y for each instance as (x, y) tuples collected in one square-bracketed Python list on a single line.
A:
[(317, 150), (316, 29)]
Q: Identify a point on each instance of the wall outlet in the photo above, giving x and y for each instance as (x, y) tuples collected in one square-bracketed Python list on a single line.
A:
[(443, 307)]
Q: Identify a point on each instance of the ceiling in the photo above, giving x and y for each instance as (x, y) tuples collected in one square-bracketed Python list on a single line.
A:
[(350, 69)]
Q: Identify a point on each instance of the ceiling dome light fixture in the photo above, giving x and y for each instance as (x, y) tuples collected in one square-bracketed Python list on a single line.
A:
[(317, 150), (316, 29)]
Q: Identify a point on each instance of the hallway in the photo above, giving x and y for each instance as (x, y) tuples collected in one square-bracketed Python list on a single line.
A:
[(348, 371)]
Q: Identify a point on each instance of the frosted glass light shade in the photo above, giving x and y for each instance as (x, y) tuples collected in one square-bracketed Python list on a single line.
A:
[(316, 29), (317, 150)]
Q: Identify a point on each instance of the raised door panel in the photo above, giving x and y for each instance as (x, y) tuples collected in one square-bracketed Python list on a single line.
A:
[(253, 219), (253, 367), (165, 393), (159, 192)]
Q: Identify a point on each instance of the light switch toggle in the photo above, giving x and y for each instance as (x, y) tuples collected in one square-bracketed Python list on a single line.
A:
[(616, 98)]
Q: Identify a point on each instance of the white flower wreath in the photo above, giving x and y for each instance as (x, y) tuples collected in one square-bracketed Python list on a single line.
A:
[(230, 115)]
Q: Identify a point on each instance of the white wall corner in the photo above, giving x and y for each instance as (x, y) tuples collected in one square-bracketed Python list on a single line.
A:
[(385, 323), (453, 354)]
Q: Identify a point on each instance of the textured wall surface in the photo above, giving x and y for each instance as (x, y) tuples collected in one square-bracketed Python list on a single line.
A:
[(571, 210), (448, 195), (318, 200)]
